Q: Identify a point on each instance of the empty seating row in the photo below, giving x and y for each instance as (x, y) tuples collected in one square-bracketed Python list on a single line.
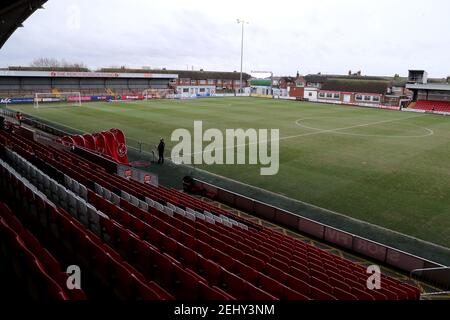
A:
[(78, 245), (205, 292), (57, 193), (432, 105), (192, 249), (127, 234), (31, 265), (51, 154)]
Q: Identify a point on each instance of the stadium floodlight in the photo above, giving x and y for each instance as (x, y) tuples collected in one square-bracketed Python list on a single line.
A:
[(243, 22), (71, 97)]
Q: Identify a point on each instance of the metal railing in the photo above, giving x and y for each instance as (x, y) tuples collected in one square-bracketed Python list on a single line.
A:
[(438, 277)]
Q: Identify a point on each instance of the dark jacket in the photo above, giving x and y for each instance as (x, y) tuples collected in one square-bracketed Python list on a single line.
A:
[(161, 146)]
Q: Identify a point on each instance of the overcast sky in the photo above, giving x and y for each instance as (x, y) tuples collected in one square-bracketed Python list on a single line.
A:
[(379, 37)]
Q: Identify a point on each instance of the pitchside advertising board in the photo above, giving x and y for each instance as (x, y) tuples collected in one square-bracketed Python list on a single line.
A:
[(16, 100), (69, 99), (105, 98), (89, 98)]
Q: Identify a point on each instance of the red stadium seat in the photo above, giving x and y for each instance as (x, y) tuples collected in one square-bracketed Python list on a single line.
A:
[(254, 262), (212, 293), (224, 260), (187, 256), (235, 253), (318, 294), (320, 284), (205, 249), (299, 274), (298, 285), (276, 273), (210, 270), (185, 284), (169, 245), (256, 294), (246, 272), (362, 295), (431, 105), (270, 285), (340, 284), (234, 285), (341, 294), (289, 294)]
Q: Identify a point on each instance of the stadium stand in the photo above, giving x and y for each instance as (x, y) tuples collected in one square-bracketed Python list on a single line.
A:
[(431, 105), (19, 93), (31, 263), (139, 241), (25, 82)]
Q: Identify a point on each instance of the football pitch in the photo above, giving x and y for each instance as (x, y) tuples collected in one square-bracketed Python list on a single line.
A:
[(385, 167)]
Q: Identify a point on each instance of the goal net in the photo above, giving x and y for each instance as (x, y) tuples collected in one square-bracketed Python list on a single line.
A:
[(57, 99), (157, 93)]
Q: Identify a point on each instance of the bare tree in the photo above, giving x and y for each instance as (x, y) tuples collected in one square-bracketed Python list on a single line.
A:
[(55, 63), (45, 63)]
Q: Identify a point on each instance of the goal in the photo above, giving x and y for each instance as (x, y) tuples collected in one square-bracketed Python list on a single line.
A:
[(57, 99), (156, 93)]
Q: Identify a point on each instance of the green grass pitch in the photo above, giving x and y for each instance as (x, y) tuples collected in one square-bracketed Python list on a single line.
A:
[(384, 167)]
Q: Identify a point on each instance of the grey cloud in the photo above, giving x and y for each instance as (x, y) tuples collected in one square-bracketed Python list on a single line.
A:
[(379, 37)]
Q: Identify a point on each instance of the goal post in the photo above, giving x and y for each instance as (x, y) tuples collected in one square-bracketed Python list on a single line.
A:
[(72, 98)]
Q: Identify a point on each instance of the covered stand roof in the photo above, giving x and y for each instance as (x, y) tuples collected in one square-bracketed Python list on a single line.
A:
[(13, 13), (195, 75)]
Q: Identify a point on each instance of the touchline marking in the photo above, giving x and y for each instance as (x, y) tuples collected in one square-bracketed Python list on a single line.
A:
[(314, 133)]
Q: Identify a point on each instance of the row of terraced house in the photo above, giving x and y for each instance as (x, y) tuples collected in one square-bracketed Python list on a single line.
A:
[(351, 89), (356, 89)]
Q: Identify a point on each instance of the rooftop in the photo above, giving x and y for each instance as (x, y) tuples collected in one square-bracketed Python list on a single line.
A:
[(191, 74), (429, 86), (364, 86)]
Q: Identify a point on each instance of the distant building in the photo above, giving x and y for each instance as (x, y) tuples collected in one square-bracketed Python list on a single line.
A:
[(290, 86), (315, 80), (355, 89)]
